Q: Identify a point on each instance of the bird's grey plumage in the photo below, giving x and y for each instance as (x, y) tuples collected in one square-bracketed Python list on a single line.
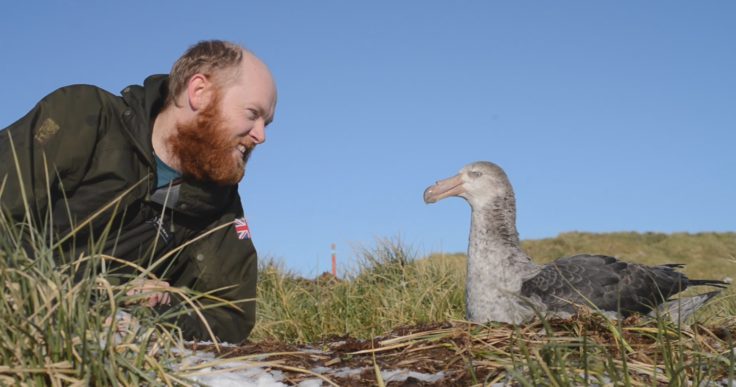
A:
[(683, 307), (606, 282), (505, 285)]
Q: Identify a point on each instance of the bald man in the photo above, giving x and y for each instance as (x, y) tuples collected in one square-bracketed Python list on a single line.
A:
[(169, 156)]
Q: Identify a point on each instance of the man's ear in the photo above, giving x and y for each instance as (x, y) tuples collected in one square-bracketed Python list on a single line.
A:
[(198, 91)]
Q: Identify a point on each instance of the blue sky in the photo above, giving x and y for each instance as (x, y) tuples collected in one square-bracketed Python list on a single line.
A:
[(607, 116)]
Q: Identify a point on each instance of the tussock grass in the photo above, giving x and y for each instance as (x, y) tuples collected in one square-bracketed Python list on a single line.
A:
[(53, 329), (56, 314), (388, 288), (70, 321)]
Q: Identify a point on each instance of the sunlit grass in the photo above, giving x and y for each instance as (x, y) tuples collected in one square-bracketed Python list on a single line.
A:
[(387, 289), (57, 309), (53, 331)]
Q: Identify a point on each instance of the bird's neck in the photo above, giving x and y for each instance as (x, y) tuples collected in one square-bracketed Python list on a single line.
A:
[(494, 251), (494, 223), (496, 264)]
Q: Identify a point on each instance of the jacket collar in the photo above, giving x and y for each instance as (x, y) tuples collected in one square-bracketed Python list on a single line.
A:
[(145, 102), (155, 89)]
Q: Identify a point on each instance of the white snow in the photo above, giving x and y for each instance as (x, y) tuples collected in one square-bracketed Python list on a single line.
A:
[(401, 375)]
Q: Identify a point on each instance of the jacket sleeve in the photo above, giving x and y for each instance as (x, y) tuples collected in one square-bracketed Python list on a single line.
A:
[(47, 151), (224, 259)]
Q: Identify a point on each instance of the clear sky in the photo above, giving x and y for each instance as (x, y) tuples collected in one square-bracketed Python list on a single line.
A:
[(607, 116)]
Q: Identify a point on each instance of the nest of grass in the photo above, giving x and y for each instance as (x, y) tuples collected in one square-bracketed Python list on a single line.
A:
[(586, 349)]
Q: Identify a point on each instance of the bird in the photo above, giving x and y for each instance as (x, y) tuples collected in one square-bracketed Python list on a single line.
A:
[(505, 285)]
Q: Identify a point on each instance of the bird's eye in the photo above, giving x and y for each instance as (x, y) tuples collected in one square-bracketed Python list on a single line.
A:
[(474, 174)]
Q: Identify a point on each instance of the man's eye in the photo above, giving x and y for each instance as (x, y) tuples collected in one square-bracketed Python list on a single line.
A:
[(252, 114)]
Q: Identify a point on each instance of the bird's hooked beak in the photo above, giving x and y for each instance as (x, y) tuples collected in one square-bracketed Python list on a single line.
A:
[(452, 186)]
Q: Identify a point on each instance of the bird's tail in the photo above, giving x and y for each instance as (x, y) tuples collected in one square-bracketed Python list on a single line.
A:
[(674, 265), (716, 283), (680, 309)]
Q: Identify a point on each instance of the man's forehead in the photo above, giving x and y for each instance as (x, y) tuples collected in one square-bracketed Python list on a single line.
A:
[(254, 93), (255, 65)]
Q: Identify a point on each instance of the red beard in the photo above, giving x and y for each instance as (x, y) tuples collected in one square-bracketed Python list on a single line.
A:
[(204, 150)]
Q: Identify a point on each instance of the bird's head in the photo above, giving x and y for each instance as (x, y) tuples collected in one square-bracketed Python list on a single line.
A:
[(478, 183)]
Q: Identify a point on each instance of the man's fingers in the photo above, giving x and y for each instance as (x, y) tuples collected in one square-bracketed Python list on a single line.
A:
[(152, 300), (123, 322), (154, 292), (159, 298)]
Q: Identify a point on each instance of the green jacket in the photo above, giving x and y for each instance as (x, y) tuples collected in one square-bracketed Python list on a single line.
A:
[(80, 148)]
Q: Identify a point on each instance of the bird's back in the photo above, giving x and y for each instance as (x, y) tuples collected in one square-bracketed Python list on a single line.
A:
[(606, 282)]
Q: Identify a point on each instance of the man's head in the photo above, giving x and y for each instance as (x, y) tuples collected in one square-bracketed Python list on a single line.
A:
[(225, 97)]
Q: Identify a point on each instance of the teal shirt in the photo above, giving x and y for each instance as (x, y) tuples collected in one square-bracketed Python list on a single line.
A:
[(165, 173)]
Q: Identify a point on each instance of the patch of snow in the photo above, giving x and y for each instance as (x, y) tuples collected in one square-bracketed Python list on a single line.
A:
[(252, 377), (311, 350), (310, 383), (223, 373), (345, 372), (401, 375)]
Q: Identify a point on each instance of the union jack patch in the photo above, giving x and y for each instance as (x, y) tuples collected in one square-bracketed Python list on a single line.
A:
[(242, 229)]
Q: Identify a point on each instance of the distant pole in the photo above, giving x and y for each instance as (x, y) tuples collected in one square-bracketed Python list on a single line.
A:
[(334, 262)]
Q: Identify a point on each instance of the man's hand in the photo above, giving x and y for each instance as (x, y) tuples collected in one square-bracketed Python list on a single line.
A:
[(124, 322), (148, 292)]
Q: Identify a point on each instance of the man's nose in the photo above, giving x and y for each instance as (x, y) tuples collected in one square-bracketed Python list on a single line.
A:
[(258, 133)]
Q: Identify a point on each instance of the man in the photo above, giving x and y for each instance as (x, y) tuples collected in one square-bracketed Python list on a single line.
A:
[(169, 154)]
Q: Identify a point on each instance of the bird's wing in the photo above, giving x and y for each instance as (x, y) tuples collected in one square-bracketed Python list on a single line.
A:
[(606, 282)]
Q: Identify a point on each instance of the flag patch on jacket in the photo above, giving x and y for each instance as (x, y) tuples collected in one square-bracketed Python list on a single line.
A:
[(241, 228)]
